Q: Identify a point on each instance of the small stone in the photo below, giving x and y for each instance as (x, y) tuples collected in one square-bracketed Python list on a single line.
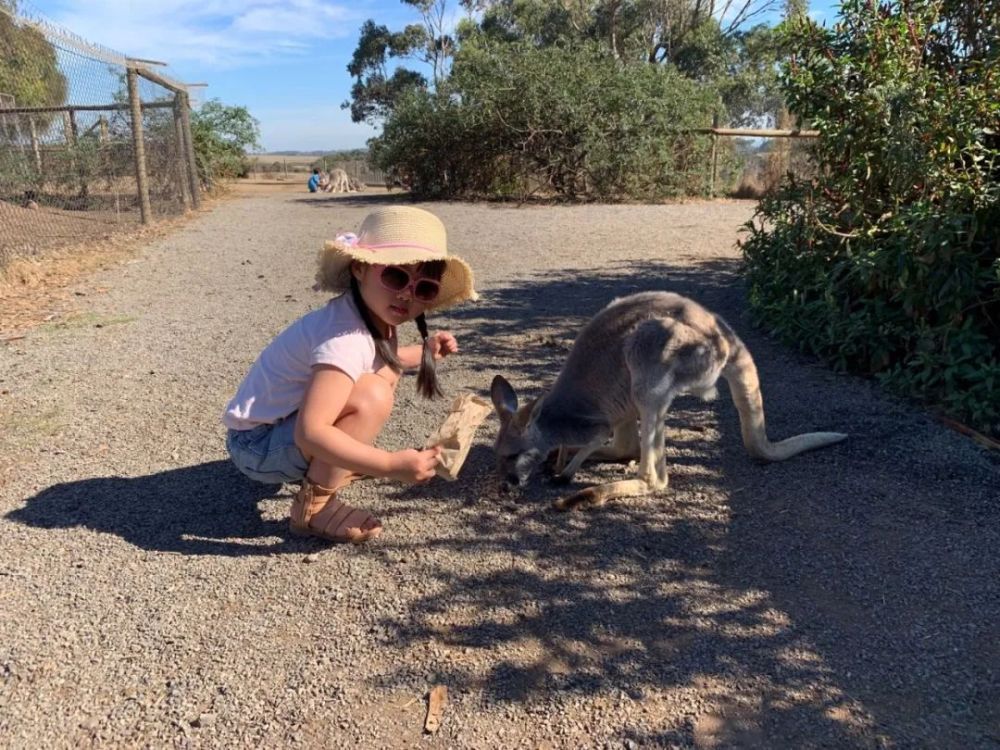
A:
[(204, 720), (311, 558)]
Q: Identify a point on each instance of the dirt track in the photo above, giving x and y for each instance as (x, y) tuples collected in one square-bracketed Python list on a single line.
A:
[(151, 597)]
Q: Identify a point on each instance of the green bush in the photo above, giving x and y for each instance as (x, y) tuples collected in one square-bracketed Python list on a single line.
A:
[(514, 119), (888, 263), (221, 136)]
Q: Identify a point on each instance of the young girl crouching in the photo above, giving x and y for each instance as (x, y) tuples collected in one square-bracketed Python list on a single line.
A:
[(316, 398)]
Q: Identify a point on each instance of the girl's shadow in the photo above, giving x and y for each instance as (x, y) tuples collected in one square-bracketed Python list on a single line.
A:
[(208, 509)]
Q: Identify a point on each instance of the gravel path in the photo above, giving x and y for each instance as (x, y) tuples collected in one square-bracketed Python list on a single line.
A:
[(149, 596)]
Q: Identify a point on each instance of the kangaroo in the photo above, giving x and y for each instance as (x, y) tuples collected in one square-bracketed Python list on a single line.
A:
[(339, 182), (625, 369)]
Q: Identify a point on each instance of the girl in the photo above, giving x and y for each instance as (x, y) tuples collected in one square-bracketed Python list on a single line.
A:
[(313, 403)]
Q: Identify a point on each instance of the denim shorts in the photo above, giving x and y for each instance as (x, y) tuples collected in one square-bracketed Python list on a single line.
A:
[(268, 452)]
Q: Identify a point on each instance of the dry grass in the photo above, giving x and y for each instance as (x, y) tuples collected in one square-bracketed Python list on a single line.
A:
[(290, 160), (35, 290)]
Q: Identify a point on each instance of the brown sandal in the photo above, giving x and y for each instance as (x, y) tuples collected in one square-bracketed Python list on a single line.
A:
[(316, 511)]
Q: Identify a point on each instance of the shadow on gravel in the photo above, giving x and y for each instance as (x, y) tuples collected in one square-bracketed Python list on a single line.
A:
[(530, 325), (849, 597), (208, 509), (357, 200)]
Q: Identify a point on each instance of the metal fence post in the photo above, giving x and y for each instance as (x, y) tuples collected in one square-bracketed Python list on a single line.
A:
[(139, 145), (189, 147)]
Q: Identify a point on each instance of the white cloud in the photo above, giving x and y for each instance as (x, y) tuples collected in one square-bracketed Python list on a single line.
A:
[(211, 33), (302, 19)]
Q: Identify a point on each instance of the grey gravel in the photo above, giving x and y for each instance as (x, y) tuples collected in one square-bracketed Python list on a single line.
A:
[(151, 597)]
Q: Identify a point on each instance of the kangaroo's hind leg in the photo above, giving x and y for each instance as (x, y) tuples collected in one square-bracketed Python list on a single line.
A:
[(624, 445)]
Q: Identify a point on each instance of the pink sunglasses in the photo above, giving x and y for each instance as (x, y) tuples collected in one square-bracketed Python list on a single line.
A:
[(396, 279)]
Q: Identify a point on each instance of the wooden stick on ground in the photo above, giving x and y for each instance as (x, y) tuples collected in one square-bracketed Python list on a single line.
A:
[(984, 440), (436, 702)]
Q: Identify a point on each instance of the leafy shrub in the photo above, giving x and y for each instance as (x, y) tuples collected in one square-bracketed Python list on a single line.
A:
[(513, 119), (222, 135), (888, 262)]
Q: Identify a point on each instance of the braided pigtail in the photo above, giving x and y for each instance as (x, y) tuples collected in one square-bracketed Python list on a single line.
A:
[(427, 381), (382, 346)]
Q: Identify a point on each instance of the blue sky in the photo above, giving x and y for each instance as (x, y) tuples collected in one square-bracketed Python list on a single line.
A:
[(286, 60)]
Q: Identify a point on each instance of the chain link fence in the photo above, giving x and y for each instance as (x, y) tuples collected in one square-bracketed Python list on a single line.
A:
[(91, 142)]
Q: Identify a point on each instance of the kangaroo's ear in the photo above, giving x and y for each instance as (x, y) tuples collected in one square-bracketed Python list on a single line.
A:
[(504, 398)]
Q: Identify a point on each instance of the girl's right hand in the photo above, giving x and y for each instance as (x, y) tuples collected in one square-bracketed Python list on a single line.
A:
[(414, 466)]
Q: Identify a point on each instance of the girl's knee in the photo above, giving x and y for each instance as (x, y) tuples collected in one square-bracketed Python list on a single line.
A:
[(372, 396)]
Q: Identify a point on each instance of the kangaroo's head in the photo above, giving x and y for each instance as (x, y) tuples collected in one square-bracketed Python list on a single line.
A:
[(520, 446)]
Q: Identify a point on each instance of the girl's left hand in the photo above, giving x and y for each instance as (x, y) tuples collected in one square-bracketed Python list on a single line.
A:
[(442, 344)]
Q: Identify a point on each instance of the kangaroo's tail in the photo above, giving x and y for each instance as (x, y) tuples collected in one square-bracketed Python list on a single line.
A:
[(596, 496), (741, 374)]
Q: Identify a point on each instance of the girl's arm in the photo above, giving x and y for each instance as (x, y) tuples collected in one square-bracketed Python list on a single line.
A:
[(443, 343), (318, 437)]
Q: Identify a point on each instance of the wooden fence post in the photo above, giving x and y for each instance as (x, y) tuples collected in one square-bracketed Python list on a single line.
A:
[(182, 160), (715, 156), (35, 147), (139, 146), (193, 186), (79, 166)]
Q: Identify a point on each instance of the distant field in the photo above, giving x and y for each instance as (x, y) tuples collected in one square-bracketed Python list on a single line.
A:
[(306, 159), (300, 163), (277, 166)]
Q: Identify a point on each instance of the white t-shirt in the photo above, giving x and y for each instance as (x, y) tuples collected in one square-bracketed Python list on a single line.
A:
[(276, 383)]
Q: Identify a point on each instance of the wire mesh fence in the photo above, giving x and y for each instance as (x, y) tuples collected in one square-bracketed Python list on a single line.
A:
[(298, 167), (91, 142), (751, 165)]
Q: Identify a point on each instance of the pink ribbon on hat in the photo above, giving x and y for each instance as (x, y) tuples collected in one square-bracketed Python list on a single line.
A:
[(351, 240)]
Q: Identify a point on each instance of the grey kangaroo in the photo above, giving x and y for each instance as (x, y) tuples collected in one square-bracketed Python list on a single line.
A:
[(625, 369)]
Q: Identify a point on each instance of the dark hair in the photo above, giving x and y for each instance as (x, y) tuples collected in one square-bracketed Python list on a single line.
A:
[(427, 382), (315, 170)]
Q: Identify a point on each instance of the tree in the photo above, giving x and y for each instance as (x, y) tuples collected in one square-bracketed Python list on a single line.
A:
[(656, 31), (431, 43), (29, 70), (222, 136), (375, 91)]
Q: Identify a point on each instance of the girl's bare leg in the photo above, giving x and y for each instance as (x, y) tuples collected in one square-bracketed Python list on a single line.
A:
[(365, 413)]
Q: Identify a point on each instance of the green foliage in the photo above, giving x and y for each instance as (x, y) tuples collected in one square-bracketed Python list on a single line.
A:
[(579, 100), (889, 262), (514, 118), (375, 91), (222, 136), (28, 66), (331, 158)]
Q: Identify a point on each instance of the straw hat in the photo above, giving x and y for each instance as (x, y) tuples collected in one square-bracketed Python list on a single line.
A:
[(398, 235)]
